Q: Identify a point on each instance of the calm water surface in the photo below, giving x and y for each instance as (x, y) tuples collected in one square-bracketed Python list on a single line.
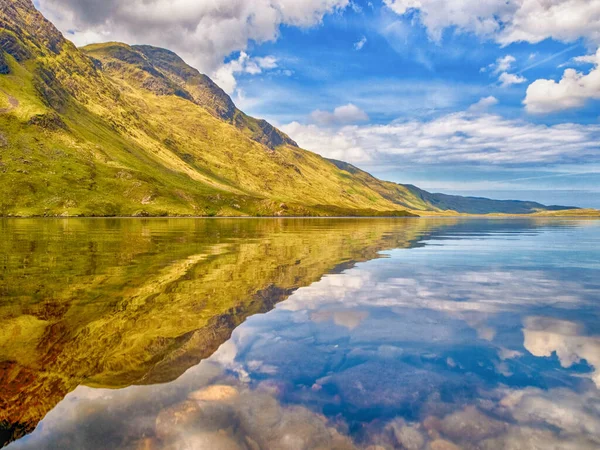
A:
[(435, 334)]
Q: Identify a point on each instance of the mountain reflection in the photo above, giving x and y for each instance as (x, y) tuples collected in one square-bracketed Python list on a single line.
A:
[(129, 334)]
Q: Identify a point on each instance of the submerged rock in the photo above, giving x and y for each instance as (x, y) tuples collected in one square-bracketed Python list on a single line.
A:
[(409, 437), (441, 444), (385, 384), (518, 437), (471, 425)]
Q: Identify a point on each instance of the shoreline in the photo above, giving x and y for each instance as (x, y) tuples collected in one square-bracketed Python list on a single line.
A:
[(432, 216)]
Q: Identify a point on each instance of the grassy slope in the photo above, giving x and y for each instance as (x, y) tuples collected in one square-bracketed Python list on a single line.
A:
[(84, 141)]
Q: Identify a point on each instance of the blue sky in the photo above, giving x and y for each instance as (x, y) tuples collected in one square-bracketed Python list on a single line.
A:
[(466, 97)]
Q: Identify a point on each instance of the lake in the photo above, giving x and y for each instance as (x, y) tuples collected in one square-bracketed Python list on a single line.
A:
[(440, 334)]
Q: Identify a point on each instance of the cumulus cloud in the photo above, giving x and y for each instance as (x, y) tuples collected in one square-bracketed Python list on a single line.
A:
[(458, 137), (507, 22), (202, 32), (224, 76), (349, 113), (508, 79), (360, 44), (572, 91), (501, 67)]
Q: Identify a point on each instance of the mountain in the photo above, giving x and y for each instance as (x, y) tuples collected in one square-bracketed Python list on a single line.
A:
[(113, 129), (419, 200)]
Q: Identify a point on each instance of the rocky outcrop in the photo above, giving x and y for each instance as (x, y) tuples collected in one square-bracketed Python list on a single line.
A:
[(20, 18), (4, 69)]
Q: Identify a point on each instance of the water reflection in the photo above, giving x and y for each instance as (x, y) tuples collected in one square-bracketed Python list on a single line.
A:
[(467, 334)]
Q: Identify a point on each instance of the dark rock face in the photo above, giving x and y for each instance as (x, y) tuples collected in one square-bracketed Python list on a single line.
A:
[(4, 69), (13, 46), (205, 92), (16, 16), (51, 121), (50, 89), (272, 137), (12, 431)]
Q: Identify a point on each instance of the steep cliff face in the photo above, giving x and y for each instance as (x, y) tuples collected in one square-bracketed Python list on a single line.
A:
[(164, 73)]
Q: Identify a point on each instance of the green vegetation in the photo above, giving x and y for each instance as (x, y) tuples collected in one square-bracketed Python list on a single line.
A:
[(118, 130)]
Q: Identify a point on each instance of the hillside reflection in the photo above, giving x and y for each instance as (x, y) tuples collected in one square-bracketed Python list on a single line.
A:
[(363, 356)]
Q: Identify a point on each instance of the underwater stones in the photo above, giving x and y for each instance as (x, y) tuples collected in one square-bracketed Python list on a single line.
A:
[(433, 426), (440, 444), (381, 383), (470, 425), (215, 393), (409, 437), (519, 437)]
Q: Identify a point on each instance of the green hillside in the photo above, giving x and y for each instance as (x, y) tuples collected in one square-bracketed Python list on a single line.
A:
[(118, 130)]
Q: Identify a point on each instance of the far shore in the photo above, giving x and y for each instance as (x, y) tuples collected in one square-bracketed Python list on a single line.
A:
[(563, 214)]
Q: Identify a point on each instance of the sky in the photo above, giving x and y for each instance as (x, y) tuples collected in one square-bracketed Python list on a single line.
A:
[(473, 97)]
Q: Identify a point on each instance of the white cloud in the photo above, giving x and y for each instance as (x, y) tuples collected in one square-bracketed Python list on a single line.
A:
[(501, 64), (508, 21), (508, 79), (360, 44), (266, 62), (483, 104), (458, 137), (224, 76), (501, 67), (346, 114), (202, 32), (572, 91), (588, 59)]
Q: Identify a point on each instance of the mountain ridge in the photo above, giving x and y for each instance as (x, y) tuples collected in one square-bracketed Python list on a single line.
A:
[(119, 130)]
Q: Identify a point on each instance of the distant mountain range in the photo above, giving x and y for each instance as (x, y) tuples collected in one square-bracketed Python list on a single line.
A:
[(118, 130)]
